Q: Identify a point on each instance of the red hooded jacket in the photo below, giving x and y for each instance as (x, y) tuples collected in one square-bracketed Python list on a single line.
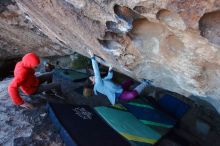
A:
[(24, 77)]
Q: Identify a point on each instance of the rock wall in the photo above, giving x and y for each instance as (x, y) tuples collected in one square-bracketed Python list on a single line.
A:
[(19, 36), (176, 43)]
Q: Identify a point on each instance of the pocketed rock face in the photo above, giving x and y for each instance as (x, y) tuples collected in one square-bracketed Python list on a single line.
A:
[(19, 36), (171, 42), (209, 26)]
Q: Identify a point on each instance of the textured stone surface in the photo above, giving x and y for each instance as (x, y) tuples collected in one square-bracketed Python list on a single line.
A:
[(174, 42), (162, 45), (19, 36), (19, 126)]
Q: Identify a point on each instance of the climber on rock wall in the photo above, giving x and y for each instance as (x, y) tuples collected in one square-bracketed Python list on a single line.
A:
[(111, 90), (29, 83)]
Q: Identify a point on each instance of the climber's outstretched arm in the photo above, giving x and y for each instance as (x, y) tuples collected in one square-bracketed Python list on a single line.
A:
[(95, 68)]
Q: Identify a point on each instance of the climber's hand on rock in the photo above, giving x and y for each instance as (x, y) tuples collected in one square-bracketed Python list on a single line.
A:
[(91, 53), (110, 68), (27, 105)]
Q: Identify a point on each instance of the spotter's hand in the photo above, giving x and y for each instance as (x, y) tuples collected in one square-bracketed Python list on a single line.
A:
[(27, 105)]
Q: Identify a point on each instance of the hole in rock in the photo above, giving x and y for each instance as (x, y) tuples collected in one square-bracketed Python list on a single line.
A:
[(125, 13), (170, 18), (141, 9), (115, 37), (162, 14), (112, 26), (209, 25), (111, 36), (125, 17), (143, 27), (110, 44), (147, 36), (120, 27)]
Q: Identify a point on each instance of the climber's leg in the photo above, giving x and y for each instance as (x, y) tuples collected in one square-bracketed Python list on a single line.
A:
[(128, 95)]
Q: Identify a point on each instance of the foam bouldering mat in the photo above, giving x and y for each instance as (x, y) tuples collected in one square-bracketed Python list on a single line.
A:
[(72, 75), (128, 126), (149, 115), (79, 90), (82, 126), (173, 106)]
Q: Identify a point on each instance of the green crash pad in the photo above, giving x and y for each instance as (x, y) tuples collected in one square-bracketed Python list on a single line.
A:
[(128, 126), (162, 130), (150, 116), (71, 75)]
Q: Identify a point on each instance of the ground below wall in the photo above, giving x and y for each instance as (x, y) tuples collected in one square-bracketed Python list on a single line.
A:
[(19, 126)]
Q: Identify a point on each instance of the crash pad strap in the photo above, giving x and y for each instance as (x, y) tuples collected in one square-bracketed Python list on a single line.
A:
[(156, 124), (141, 105), (138, 138), (150, 116), (119, 106)]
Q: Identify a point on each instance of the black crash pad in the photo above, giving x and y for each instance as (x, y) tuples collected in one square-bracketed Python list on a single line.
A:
[(81, 126)]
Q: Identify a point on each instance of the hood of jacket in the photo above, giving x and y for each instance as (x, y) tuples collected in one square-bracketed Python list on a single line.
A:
[(30, 60)]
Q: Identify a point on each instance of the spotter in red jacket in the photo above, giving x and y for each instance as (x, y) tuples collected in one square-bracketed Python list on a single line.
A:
[(24, 77)]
